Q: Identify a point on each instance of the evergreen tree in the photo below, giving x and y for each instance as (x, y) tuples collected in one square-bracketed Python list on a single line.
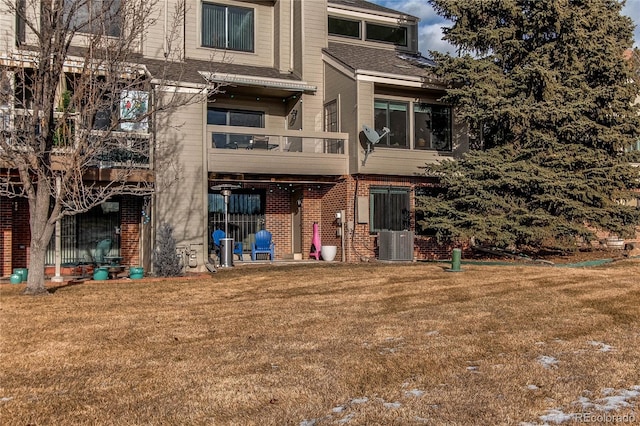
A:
[(166, 262), (545, 87)]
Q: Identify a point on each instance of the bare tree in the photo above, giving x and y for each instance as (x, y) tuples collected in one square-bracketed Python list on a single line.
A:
[(81, 102)]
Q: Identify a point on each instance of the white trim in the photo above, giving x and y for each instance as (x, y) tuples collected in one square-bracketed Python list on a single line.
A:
[(378, 15)]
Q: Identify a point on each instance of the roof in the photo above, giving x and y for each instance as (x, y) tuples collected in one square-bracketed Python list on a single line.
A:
[(363, 58), (368, 6), (194, 71)]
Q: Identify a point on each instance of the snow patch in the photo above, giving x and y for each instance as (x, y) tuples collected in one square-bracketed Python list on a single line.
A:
[(548, 361), (603, 346)]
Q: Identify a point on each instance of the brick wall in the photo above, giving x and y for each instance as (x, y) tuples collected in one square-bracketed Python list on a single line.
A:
[(6, 240), (333, 200), (130, 218), (21, 233), (278, 217), (311, 213)]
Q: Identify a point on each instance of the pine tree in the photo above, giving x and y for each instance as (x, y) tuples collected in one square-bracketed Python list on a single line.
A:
[(546, 88), (166, 262)]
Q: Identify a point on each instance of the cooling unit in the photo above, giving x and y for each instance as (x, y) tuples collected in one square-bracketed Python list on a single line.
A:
[(395, 245)]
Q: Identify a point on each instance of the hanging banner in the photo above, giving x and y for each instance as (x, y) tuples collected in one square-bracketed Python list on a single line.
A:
[(134, 106)]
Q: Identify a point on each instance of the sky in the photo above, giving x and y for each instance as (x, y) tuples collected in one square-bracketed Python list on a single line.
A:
[(431, 24)]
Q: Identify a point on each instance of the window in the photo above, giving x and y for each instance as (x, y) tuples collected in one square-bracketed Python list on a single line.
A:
[(344, 27), (227, 117), (432, 126), (21, 25), (394, 116), (95, 16), (24, 82), (387, 34), (226, 27), (389, 209), (331, 116)]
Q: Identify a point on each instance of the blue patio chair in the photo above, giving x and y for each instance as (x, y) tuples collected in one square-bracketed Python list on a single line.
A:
[(219, 234), (102, 249), (263, 244)]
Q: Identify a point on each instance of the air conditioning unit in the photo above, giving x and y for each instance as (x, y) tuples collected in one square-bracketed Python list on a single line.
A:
[(395, 245)]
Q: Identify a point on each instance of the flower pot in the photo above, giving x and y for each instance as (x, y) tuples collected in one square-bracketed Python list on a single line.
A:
[(328, 253), (15, 279), (101, 274), (136, 272), (22, 272)]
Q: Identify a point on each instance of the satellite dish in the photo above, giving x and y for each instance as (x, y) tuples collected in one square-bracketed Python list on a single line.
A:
[(371, 137)]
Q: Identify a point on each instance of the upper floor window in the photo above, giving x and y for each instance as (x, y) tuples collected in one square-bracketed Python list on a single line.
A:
[(95, 16), (331, 116), (393, 115), (229, 117), (432, 126), (387, 34), (344, 27), (227, 27)]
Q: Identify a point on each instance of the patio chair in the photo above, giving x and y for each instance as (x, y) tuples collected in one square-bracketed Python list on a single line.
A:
[(219, 234), (263, 244), (102, 249)]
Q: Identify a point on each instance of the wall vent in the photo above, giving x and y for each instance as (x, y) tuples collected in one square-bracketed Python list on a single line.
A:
[(395, 245)]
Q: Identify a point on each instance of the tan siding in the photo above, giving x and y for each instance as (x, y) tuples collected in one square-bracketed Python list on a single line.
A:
[(158, 31), (263, 20), (282, 36), (274, 162), (365, 116), (344, 87), (400, 162), (180, 176), (7, 28), (314, 39)]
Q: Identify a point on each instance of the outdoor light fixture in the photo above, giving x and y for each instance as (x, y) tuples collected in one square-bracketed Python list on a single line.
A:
[(225, 189)]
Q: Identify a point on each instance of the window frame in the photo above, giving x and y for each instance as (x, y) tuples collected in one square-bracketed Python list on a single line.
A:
[(388, 140), (393, 220), (346, 20), (430, 131), (226, 140), (93, 24), (214, 44), (404, 29)]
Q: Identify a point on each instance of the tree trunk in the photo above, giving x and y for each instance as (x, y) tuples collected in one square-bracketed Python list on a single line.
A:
[(41, 231), (35, 282)]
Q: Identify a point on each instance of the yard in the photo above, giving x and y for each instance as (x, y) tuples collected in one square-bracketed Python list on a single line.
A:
[(321, 344)]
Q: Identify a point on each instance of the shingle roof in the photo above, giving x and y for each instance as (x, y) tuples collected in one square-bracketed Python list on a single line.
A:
[(362, 4), (364, 58), (190, 70)]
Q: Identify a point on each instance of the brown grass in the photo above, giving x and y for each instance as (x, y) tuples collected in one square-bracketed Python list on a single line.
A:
[(330, 343)]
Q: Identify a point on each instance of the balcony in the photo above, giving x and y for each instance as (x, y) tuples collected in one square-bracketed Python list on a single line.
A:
[(256, 150)]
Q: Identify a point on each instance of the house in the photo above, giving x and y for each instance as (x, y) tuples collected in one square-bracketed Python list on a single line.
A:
[(280, 91)]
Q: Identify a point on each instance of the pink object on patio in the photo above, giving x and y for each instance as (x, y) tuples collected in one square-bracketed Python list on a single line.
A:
[(315, 243)]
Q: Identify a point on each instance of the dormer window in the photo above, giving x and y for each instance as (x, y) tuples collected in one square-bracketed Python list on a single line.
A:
[(387, 34), (227, 27)]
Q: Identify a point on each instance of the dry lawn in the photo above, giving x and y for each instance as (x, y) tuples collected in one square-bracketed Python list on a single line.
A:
[(322, 344)]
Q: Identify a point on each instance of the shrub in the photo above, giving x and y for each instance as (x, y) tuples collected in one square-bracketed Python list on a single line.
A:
[(166, 262)]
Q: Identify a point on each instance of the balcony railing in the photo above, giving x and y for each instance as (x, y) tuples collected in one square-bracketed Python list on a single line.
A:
[(278, 143), (258, 150)]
